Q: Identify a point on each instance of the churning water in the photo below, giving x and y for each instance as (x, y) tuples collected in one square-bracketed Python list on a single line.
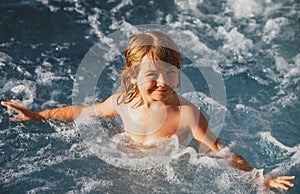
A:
[(253, 44)]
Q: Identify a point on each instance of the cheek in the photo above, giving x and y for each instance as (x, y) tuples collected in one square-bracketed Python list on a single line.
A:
[(174, 82), (145, 84)]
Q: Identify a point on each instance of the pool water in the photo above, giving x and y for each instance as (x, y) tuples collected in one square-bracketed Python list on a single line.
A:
[(253, 45)]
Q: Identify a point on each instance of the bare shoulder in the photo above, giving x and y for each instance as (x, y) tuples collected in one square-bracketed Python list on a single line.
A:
[(186, 105), (108, 107), (189, 111), (192, 118)]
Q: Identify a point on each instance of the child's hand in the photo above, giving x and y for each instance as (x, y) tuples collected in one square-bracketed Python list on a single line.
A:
[(24, 114), (281, 182)]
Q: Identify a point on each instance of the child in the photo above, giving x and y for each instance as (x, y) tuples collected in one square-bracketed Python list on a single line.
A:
[(147, 102)]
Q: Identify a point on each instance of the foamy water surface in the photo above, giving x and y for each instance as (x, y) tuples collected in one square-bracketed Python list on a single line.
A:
[(253, 44)]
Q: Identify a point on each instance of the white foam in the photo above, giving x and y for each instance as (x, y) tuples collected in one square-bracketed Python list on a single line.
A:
[(297, 60), (125, 27), (236, 70), (43, 159), (223, 181), (48, 186), (44, 76), (235, 43), (189, 5), (4, 58), (285, 166), (7, 61), (196, 50), (289, 71), (93, 21), (122, 4), (89, 184), (288, 99), (278, 151), (244, 8), (245, 115), (25, 88), (272, 28), (134, 156), (267, 136), (171, 174)]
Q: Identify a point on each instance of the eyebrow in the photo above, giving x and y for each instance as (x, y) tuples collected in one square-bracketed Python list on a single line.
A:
[(151, 71)]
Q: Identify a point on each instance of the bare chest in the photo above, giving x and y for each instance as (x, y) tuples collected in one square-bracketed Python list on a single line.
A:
[(159, 122)]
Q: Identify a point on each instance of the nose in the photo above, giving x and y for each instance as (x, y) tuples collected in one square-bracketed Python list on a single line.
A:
[(162, 79)]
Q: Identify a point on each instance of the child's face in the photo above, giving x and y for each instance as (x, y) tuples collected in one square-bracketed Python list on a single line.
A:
[(157, 81)]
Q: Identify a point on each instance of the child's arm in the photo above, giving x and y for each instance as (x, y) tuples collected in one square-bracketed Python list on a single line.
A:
[(61, 114), (208, 141)]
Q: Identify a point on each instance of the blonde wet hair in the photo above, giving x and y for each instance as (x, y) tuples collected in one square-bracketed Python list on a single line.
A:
[(157, 46)]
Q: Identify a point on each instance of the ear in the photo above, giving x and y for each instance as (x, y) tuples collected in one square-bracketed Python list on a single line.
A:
[(133, 81)]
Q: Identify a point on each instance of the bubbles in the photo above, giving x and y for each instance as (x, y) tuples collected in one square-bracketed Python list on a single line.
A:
[(4, 58), (246, 115), (245, 8), (123, 152), (272, 28), (24, 90), (185, 5), (88, 184), (121, 5), (235, 44), (271, 146), (223, 182)]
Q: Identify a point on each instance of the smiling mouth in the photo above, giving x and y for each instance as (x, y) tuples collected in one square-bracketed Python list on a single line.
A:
[(161, 90)]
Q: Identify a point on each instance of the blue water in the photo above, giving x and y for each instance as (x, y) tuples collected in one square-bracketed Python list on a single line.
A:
[(253, 44)]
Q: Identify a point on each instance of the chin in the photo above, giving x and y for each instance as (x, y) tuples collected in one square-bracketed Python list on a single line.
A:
[(160, 97)]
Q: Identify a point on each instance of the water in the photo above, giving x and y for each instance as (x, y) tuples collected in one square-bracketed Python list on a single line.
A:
[(253, 44)]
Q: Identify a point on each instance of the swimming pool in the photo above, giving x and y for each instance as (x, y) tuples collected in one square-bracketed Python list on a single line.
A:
[(253, 44)]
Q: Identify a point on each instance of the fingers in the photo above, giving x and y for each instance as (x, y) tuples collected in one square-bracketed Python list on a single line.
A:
[(285, 180), (13, 104), (279, 186), (282, 182), (23, 114), (16, 118), (8, 105), (286, 177), (4, 103)]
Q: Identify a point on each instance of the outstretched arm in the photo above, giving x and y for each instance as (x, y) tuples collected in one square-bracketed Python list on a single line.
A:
[(62, 114), (209, 142), (236, 161), (66, 113)]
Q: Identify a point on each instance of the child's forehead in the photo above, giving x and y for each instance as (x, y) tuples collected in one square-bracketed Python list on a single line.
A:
[(148, 63)]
